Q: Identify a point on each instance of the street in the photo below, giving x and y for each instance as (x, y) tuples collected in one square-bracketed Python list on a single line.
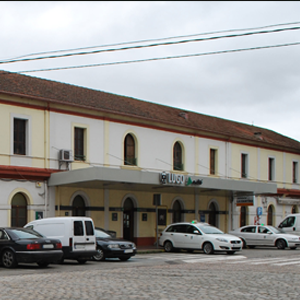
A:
[(265, 273)]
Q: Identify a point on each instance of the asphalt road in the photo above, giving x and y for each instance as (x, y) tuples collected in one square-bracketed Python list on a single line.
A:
[(157, 259), (251, 274)]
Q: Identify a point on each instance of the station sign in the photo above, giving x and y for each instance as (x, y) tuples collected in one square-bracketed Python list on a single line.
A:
[(245, 200)]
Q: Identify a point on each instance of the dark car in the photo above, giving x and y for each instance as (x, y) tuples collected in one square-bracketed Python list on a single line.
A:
[(109, 247), (22, 245)]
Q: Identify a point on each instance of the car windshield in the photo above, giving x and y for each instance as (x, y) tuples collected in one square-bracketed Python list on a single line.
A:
[(210, 229), (101, 234), (25, 234), (276, 230)]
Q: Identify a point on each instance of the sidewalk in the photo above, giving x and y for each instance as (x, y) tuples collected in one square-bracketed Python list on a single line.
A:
[(149, 249)]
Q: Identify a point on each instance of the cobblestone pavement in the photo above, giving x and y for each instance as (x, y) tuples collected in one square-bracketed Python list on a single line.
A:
[(168, 281)]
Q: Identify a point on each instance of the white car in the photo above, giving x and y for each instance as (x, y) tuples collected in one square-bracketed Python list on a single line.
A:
[(198, 236), (262, 235)]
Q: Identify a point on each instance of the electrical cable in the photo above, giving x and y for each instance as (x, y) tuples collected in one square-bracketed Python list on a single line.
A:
[(151, 45), (161, 58), (151, 40)]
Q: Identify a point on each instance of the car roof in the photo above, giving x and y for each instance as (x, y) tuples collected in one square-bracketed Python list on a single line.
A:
[(189, 223)]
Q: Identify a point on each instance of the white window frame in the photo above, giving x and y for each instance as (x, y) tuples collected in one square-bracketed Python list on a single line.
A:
[(273, 173), (246, 164), (27, 132), (296, 171)]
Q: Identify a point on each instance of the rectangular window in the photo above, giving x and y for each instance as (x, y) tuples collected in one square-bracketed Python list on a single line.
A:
[(20, 136), (244, 165), (79, 144), (78, 228), (295, 172), (212, 165), (271, 168)]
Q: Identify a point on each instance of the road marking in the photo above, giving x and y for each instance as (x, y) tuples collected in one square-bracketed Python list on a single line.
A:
[(212, 259)]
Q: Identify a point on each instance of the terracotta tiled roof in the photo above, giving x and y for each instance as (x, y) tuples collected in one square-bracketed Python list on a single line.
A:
[(48, 90)]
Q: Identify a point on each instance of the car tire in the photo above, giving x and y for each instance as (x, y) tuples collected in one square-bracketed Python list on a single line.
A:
[(280, 244), (123, 258), (43, 264), (168, 246), (100, 256), (244, 244), (9, 259), (208, 248)]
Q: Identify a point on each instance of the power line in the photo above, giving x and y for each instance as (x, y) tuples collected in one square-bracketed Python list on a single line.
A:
[(152, 45), (152, 40), (162, 58)]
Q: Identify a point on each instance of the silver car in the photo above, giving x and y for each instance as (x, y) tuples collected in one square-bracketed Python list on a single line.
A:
[(265, 235)]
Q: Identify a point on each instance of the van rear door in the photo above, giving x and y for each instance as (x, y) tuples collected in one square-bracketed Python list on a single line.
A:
[(84, 236)]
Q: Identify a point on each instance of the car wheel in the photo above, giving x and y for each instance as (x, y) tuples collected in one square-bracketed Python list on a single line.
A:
[(124, 258), (230, 252), (81, 261), (208, 248), (99, 256), (9, 259), (168, 246), (244, 246), (280, 244), (43, 264)]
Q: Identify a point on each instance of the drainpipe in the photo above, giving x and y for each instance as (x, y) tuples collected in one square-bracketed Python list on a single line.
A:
[(46, 197)]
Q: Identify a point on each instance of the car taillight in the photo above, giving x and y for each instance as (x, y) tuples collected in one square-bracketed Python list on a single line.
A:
[(58, 245), (33, 246), (70, 243)]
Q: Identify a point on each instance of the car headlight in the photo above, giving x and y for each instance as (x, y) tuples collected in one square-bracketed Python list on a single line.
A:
[(113, 246), (221, 240), (133, 245)]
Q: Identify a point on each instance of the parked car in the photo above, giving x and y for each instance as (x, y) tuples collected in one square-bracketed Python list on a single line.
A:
[(198, 236), (291, 224), (109, 247), (265, 235), (21, 245), (75, 233), (110, 232)]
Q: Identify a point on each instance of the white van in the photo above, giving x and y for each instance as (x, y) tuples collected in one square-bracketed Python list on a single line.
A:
[(291, 224), (76, 234)]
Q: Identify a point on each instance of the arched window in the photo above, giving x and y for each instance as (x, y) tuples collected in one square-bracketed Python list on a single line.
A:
[(78, 207), (177, 157), (18, 211), (270, 215), (177, 212), (243, 216), (129, 151), (212, 217)]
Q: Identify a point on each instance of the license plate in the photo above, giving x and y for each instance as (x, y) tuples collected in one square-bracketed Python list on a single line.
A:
[(79, 246), (48, 246), (128, 251)]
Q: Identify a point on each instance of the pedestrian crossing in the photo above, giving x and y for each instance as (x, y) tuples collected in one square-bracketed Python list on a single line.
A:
[(230, 259)]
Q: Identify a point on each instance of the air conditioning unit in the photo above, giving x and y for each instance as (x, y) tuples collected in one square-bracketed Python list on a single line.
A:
[(65, 155)]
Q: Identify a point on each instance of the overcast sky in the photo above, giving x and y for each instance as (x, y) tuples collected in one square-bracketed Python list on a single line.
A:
[(257, 87)]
